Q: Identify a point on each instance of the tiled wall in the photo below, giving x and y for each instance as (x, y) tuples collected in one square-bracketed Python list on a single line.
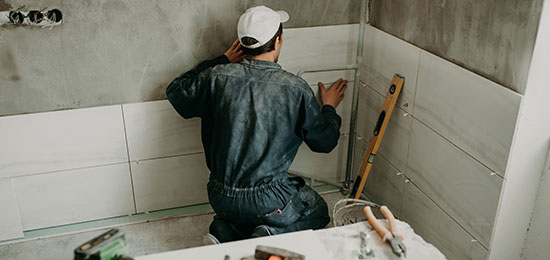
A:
[(440, 166), (449, 137), (321, 47), (78, 165)]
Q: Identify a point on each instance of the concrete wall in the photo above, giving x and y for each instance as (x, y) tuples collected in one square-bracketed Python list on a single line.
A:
[(113, 52), (493, 38)]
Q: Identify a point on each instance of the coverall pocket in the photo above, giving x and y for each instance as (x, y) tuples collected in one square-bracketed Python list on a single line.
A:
[(292, 211)]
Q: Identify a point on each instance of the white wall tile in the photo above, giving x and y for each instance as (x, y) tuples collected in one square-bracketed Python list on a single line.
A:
[(479, 252), (329, 167), (436, 227), (385, 55), (395, 142), (456, 182), (329, 76), (384, 186), (343, 109), (10, 221), (155, 130), (474, 113), (170, 182), (313, 47), (60, 140), (309, 48), (74, 196)]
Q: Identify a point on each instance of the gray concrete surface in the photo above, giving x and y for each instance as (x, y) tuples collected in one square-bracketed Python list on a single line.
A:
[(112, 52), (143, 238), (494, 38)]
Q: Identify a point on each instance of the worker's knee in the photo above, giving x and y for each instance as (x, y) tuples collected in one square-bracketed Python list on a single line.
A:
[(316, 208)]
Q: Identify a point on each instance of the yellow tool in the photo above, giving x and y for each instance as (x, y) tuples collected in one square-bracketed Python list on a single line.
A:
[(376, 139), (396, 240)]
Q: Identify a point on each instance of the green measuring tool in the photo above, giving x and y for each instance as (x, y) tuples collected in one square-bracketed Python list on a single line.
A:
[(110, 245)]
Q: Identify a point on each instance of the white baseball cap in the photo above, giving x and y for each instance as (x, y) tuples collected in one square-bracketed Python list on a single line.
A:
[(260, 23)]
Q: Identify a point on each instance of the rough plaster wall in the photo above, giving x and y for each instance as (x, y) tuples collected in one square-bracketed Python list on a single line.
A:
[(493, 38), (315, 12), (112, 51)]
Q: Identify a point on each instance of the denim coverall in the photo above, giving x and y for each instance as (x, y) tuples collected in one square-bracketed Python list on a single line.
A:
[(254, 116)]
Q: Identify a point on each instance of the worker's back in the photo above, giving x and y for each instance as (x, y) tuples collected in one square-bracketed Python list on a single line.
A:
[(250, 130)]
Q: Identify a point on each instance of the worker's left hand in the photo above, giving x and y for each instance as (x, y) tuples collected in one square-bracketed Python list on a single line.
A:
[(235, 54)]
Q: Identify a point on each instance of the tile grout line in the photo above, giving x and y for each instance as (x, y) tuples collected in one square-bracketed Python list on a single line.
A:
[(371, 88), (379, 154), (377, 92), (61, 170), (416, 83), (458, 223), (410, 129), (402, 183), (462, 150), (167, 157), (17, 206), (388, 160), (128, 153), (99, 165)]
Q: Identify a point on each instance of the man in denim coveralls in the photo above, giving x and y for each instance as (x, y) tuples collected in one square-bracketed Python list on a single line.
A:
[(254, 117)]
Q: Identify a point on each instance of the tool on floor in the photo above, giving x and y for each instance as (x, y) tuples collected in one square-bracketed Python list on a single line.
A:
[(365, 252), (391, 236), (273, 253), (378, 133), (110, 245)]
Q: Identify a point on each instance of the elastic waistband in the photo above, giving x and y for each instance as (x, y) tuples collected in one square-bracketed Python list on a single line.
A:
[(219, 187)]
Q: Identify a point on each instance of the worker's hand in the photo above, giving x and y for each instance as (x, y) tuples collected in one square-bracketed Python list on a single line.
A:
[(334, 95), (235, 54)]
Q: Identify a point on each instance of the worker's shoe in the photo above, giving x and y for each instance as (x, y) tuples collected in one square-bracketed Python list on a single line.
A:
[(224, 231), (261, 231), (210, 239)]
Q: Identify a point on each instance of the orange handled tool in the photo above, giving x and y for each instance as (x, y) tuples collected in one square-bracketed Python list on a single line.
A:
[(396, 240)]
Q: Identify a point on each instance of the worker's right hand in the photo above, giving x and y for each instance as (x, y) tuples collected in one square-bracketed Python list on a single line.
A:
[(335, 94), (235, 54)]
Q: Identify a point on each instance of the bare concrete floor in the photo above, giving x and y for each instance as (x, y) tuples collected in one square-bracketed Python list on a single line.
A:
[(143, 238)]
